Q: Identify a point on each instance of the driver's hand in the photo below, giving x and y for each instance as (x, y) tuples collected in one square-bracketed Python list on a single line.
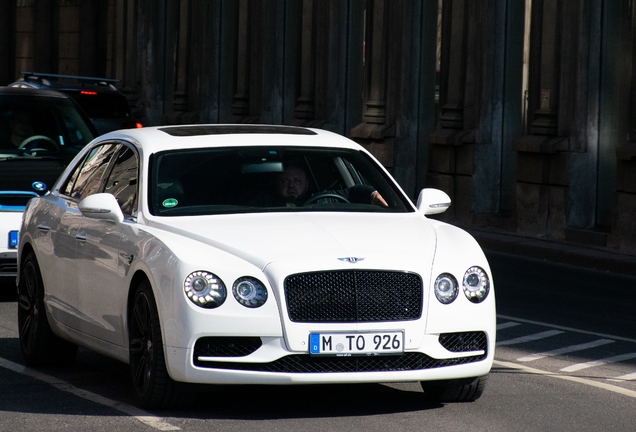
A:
[(377, 199)]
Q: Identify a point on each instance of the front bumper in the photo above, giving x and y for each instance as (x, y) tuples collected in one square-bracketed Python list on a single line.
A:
[(272, 363), (8, 264), (9, 226)]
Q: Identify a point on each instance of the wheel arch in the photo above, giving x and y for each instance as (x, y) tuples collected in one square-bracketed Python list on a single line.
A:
[(139, 277), (24, 251), (136, 280)]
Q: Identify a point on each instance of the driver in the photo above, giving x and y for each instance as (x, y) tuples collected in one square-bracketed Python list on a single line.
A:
[(292, 186), (20, 127)]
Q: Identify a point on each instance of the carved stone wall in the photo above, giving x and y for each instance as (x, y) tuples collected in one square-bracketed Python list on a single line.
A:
[(556, 162), (580, 79), (470, 155)]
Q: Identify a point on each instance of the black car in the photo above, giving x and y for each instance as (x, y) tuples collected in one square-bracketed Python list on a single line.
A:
[(40, 133), (106, 106)]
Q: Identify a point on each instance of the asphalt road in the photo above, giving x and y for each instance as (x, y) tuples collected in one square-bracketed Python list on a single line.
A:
[(565, 361), (565, 295)]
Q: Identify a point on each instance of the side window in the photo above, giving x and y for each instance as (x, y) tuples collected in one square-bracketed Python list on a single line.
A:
[(67, 188), (88, 179), (122, 181)]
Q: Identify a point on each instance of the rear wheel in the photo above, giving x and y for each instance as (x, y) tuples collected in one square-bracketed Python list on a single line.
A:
[(39, 346), (458, 390), (153, 386)]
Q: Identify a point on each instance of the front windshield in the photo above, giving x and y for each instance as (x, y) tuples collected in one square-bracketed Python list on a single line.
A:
[(38, 138), (269, 179), (39, 126)]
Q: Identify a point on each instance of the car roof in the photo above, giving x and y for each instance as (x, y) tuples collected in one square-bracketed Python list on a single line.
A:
[(160, 138), (31, 92), (67, 82)]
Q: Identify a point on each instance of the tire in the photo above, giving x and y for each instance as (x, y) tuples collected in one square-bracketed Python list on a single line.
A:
[(39, 345), (153, 387), (459, 390)]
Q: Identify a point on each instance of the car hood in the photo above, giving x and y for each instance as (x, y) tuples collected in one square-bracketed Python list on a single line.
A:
[(269, 238)]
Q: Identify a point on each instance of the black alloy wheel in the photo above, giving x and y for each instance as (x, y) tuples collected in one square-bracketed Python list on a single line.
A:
[(39, 345), (153, 386)]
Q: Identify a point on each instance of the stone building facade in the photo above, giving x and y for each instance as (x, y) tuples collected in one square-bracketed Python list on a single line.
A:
[(523, 111)]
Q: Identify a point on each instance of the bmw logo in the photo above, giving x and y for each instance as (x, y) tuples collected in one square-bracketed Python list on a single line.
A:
[(38, 186)]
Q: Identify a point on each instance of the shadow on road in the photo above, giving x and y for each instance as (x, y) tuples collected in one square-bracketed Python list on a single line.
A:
[(7, 290), (306, 401), (109, 378)]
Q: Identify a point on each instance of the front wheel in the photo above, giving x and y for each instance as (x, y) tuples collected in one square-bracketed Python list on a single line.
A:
[(39, 345), (457, 390), (153, 386)]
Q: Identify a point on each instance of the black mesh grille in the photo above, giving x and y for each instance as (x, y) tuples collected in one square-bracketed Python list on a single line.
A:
[(353, 296), (307, 364), (461, 342), (14, 199), (8, 267), (226, 346)]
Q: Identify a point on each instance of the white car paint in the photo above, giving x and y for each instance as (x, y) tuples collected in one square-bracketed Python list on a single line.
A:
[(89, 265), (9, 221)]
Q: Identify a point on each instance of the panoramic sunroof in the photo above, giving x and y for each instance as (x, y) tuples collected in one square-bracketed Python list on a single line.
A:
[(184, 131)]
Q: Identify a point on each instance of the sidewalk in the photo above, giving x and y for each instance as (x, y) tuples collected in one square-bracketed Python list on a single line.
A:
[(589, 257)]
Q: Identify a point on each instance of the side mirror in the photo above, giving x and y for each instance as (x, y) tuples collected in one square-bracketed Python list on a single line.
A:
[(101, 206), (433, 201)]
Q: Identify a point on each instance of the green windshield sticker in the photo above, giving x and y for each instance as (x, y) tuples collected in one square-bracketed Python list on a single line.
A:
[(170, 202)]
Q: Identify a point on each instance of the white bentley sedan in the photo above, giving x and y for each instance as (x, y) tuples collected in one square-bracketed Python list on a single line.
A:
[(235, 254)]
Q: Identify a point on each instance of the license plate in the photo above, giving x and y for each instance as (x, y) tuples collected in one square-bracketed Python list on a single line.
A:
[(351, 344), (14, 239)]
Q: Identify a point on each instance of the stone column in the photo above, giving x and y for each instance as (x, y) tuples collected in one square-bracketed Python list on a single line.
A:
[(122, 60), (305, 108), (241, 99), (182, 56), (375, 123), (7, 42)]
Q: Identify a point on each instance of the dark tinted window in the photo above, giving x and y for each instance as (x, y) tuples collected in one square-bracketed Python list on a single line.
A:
[(122, 181), (87, 177), (101, 105), (55, 120), (249, 179)]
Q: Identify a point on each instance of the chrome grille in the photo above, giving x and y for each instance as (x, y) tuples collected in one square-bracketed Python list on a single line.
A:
[(353, 296)]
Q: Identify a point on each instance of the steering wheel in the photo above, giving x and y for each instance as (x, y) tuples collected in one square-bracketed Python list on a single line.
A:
[(48, 141), (314, 198)]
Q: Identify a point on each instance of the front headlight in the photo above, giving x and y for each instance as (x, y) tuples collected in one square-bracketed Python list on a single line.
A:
[(476, 284), (446, 288), (205, 289), (249, 292)]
